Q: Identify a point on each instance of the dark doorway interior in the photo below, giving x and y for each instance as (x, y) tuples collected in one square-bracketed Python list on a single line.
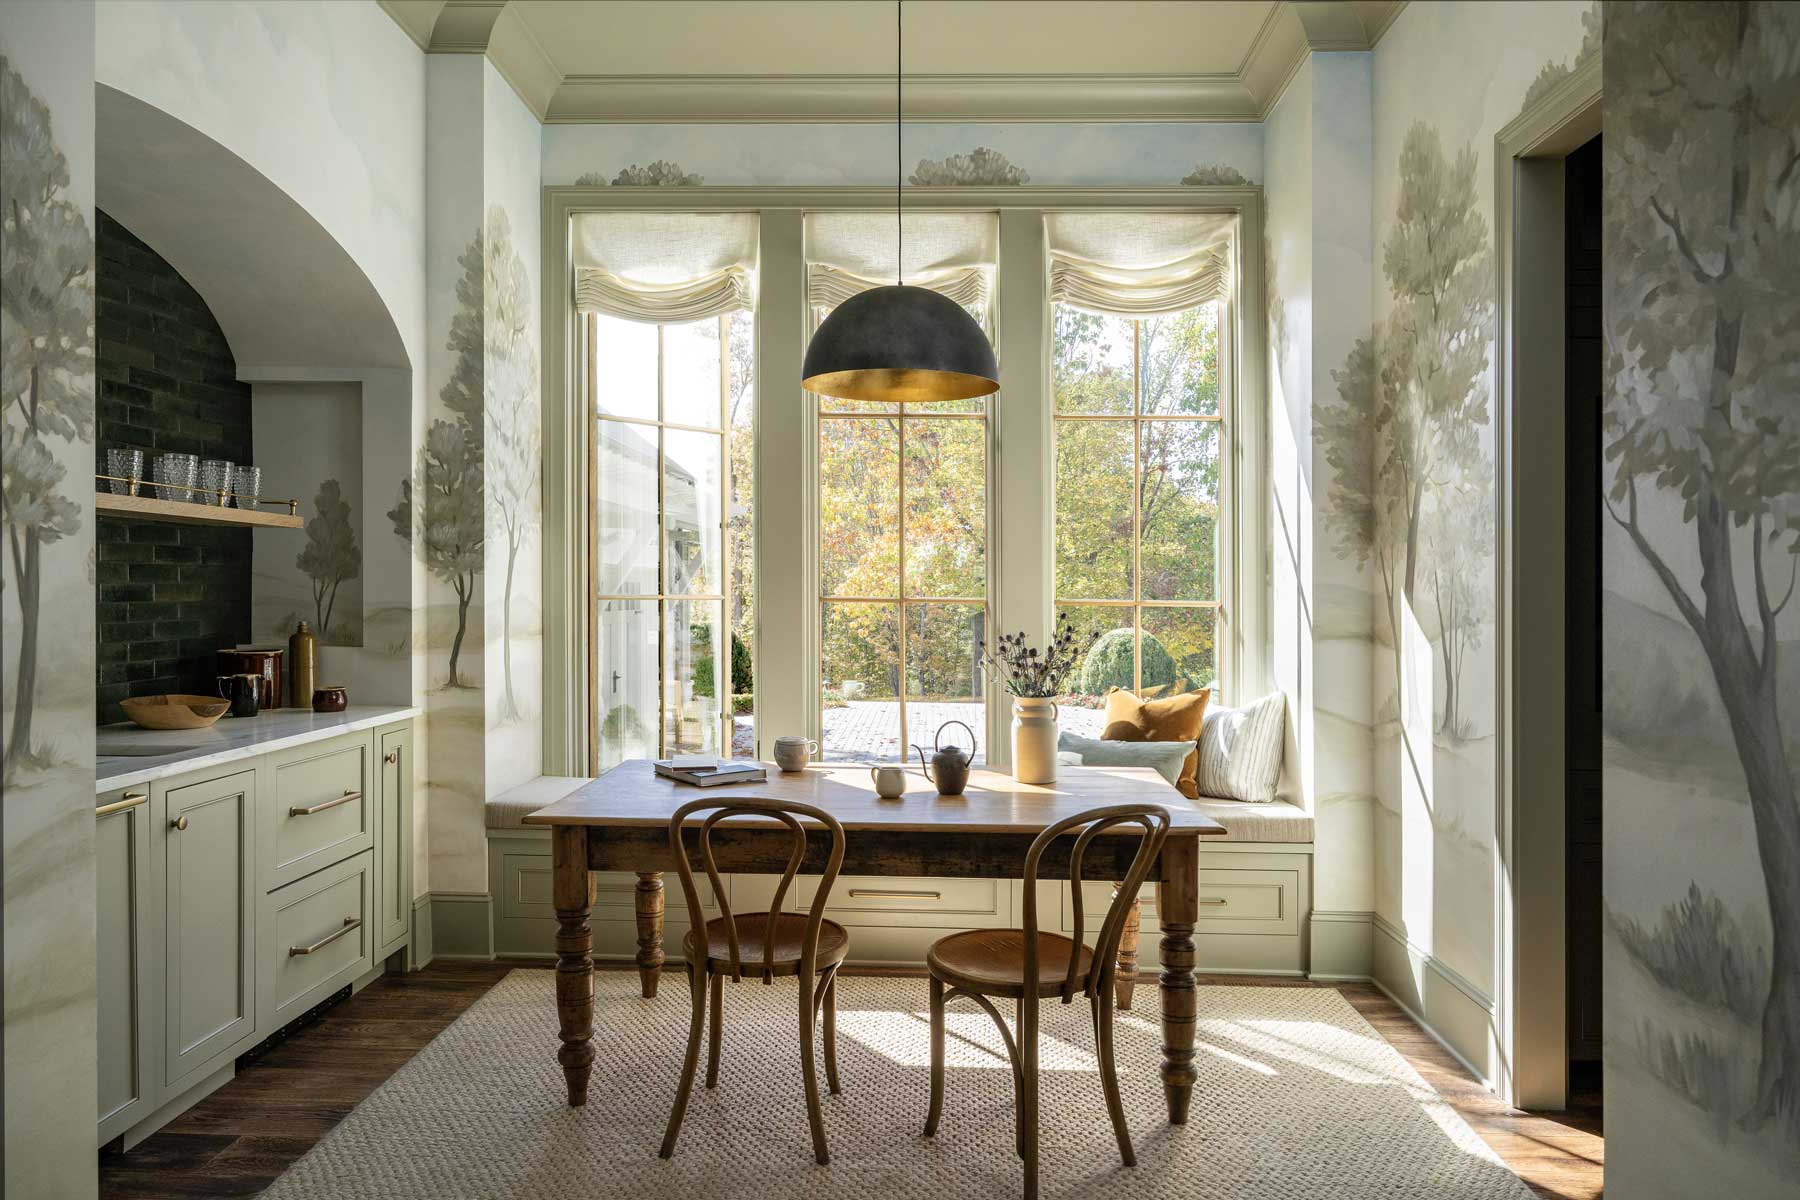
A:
[(1584, 366)]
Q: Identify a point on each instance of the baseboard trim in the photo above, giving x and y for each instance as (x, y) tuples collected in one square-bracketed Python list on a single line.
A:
[(1418, 1018), (1342, 945), (419, 945), (1455, 1013), (462, 927)]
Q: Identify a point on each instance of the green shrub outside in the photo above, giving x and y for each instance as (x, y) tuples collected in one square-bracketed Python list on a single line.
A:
[(1108, 663)]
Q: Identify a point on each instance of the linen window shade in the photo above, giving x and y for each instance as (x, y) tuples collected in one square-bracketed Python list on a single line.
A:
[(667, 268), (953, 253), (1139, 264)]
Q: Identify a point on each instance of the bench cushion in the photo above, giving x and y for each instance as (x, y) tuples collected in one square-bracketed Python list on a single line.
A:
[(509, 809), (1276, 821)]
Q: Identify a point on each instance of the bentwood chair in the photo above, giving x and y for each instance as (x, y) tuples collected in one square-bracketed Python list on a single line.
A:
[(1026, 965), (768, 944)]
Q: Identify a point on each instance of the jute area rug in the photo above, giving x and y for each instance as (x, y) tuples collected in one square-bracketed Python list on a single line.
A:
[(1297, 1097)]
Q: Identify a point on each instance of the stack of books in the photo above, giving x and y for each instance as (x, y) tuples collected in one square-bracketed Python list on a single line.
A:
[(706, 771)]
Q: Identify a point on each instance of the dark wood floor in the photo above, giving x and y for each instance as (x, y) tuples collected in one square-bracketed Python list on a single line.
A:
[(235, 1142)]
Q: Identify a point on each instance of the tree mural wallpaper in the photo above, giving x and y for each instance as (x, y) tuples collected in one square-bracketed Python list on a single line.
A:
[(1215, 175), (981, 167), (447, 483), (331, 556), (47, 347), (1702, 453), (1414, 485), (660, 173), (511, 449)]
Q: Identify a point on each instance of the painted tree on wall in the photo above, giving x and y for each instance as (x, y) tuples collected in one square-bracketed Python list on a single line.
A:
[(449, 475), (981, 167), (46, 363), (513, 429), (1402, 435), (331, 556), (1702, 427)]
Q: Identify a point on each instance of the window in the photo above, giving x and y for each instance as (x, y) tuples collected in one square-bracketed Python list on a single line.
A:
[(902, 573), (672, 432), (1140, 438)]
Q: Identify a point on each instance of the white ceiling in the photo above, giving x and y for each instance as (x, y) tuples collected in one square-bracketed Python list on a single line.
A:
[(753, 60)]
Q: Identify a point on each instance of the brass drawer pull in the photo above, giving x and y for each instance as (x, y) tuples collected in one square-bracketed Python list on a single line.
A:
[(180, 823), (392, 757), (1213, 901), (881, 894), (349, 924), (128, 800), (346, 798)]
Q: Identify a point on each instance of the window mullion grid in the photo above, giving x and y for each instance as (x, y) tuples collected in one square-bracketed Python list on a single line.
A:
[(904, 674), (662, 562), (722, 656), (1137, 510)]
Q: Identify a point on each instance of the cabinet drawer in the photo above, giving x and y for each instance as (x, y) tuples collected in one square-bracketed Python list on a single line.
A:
[(1232, 900), (525, 892), (926, 903), (323, 934), (322, 811)]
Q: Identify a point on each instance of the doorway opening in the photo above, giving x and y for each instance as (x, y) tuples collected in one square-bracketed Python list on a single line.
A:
[(1583, 374)]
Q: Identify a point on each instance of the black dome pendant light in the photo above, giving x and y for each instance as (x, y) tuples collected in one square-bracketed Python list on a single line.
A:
[(900, 343)]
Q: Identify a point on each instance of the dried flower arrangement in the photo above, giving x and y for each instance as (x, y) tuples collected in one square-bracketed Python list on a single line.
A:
[(1025, 669)]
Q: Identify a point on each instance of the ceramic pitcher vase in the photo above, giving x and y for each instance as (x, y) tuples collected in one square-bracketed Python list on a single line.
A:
[(1034, 739)]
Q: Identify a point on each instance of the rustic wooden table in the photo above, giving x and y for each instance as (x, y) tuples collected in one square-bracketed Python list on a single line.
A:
[(620, 822)]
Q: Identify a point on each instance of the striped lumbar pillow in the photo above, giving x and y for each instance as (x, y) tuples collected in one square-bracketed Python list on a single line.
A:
[(1240, 750)]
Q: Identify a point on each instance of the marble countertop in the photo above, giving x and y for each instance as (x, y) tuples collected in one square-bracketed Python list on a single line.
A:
[(127, 755)]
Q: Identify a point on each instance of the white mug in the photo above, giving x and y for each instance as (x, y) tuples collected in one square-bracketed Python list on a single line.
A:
[(793, 753), (890, 782)]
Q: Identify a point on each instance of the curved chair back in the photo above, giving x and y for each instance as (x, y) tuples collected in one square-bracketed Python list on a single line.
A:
[(788, 814), (1153, 820)]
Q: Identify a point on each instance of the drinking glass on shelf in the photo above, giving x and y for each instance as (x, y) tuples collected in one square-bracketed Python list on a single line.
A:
[(175, 473), (127, 470), (215, 481), (246, 486)]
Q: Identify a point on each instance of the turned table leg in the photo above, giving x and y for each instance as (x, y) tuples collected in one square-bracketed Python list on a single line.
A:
[(1178, 907), (649, 930), (1125, 982), (572, 893)]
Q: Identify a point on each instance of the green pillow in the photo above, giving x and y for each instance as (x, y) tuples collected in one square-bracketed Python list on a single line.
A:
[(1166, 757)]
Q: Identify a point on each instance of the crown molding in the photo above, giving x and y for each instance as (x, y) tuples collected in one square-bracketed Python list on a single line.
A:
[(1291, 30), (740, 99)]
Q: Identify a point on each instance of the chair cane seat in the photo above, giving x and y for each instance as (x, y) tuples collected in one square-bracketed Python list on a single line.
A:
[(992, 961), (790, 937)]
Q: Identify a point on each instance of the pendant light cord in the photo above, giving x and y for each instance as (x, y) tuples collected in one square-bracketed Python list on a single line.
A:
[(899, 136)]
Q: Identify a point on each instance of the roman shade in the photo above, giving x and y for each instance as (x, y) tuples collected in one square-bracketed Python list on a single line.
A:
[(1139, 264), (953, 253), (664, 267)]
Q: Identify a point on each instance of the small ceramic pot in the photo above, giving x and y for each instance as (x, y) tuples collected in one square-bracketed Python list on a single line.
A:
[(1034, 739), (890, 782), (330, 700)]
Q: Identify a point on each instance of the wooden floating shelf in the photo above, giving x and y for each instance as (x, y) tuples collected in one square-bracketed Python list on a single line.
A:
[(147, 508)]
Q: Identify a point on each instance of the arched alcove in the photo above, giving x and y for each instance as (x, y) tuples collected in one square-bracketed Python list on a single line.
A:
[(330, 374), (283, 289)]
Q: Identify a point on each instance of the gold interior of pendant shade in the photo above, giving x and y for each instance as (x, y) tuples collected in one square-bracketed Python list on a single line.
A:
[(905, 384)]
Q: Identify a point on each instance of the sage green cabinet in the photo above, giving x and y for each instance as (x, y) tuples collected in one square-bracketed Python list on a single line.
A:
[(320, 809), (125, 973), (206, 846), (320, 936), (393, 867)]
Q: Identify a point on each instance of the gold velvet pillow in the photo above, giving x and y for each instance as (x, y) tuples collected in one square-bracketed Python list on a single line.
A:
[(1130, 718)]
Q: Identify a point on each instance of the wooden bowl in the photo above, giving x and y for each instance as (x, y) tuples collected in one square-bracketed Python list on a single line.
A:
[(174, 711)]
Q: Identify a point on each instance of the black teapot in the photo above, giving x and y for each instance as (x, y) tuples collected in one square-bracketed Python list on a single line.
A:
[(949, 766)]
